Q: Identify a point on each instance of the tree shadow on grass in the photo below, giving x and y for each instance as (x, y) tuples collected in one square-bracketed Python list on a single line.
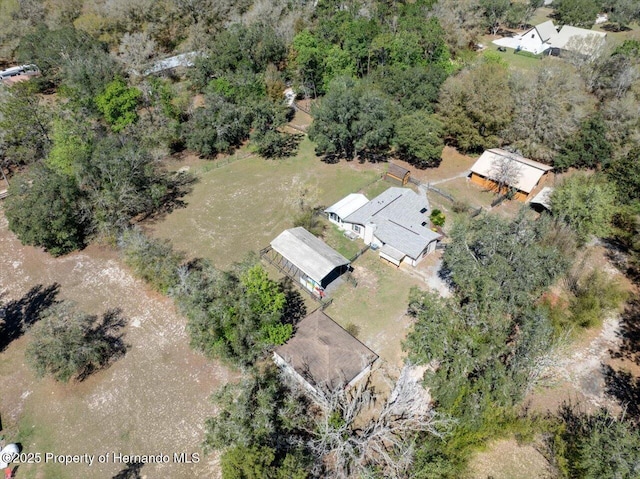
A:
[(18, 315), (294, 308), (108, 330), (178, 186), (629, 333), (625, 388), (132, 471)]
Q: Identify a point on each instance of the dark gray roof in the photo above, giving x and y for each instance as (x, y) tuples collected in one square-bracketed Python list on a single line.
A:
[(399, 214), (325, 354), (311, 255)]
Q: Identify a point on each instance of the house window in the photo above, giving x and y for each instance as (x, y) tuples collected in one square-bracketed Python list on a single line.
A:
[(423, 210), (533, 35), (356, 228), (424, 223)]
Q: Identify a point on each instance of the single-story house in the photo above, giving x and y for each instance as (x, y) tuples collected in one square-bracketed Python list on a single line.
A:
[(397, 222), (542, 201), (577, 40), (497, 168), (343, 208), (323, 356), (545, 37), (308, 259)]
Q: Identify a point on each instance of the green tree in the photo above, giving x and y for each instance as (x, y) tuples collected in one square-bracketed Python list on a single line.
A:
[(67, 343), (419, 139), (259, 427), (412, 89), (473, 114), (307, 61), (622, 12), (589, 149), (118, 103), (352, 121), (46, 208), (495, 12), (549, 107), (25, 124), (218, 127), (70, 57), (625, 175), (71, 146), (153, 260), (234, 315), (587, 203), (579, 13), (121, 181), (595, 445)]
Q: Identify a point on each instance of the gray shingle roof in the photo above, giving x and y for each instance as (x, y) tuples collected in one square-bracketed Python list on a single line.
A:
[(310, 254), (399, 214)]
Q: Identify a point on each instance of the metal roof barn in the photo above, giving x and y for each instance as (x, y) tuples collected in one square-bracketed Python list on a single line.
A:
[(309, 254)]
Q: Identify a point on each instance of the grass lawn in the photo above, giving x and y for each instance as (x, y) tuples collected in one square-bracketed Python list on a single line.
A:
[(514, 60), (240, 207), (335, 238), (463, 190), (377, 306)]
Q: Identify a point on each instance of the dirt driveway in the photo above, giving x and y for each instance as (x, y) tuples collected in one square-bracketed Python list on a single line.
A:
[(152, 401)]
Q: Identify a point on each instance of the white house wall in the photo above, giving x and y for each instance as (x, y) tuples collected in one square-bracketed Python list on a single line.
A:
[(531, 42)]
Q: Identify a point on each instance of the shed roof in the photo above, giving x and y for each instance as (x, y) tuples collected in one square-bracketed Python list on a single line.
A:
[(543, 197), (348, 205), (311, 255), (324, 353), (530, 171), (397, 170), (401, 219)]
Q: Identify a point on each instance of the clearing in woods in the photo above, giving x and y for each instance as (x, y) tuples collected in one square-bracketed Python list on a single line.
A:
[(154, 400)]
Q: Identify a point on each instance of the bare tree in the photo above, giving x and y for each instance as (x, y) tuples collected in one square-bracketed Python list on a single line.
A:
[(354, 433), (505, 173), (135, 51)]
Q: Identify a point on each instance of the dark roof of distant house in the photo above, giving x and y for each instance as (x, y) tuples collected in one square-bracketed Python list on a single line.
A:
[(310, 254), (325, 354)]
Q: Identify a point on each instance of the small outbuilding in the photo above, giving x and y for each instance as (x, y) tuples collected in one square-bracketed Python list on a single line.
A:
[(324, 356), (308, 259), (397, 173), (542, 201), (500, 170)]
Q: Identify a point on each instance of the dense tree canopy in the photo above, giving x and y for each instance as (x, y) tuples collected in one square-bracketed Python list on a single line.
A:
[(234, 315), (586, 204), (351, 121), (46, 208), (476, 105), (419, 139)]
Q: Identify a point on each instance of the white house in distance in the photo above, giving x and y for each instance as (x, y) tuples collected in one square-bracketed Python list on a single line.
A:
[(396, 221), (545, 37)]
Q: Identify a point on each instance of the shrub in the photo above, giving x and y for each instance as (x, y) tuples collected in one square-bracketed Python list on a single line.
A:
[(152, 260), (68, 343), (437, 217)]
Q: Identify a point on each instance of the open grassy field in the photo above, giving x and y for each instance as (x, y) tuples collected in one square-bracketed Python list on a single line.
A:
[(241, 207), (153, 400), (377, 306)]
